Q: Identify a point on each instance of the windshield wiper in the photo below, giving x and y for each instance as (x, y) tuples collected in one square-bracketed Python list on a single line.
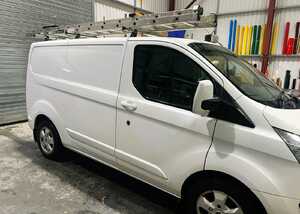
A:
[(280, 99), (271, 85), (281, 95), (286, 101)]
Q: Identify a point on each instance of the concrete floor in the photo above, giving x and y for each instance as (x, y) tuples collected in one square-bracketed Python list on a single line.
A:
[(31, 184)]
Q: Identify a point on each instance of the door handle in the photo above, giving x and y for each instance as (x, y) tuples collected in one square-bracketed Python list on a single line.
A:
[(129, 106)]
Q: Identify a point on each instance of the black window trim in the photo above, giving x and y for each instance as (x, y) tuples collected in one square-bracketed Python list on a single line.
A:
[(232, 54), (251, 124), (239, 108), (159, 101)]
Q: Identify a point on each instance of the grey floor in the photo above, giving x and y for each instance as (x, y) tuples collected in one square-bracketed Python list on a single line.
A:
[(31, 184)]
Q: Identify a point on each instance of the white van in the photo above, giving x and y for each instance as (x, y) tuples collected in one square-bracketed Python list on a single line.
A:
[(187, 117)]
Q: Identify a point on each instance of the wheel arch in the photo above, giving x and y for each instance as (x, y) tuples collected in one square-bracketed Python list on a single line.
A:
[(212, 175), (43, 110)]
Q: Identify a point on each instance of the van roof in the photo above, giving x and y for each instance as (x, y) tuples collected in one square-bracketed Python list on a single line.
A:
[(116, 40)]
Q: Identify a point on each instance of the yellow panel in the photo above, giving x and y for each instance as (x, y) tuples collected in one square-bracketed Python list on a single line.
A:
[(262, 35), (275, 39), (237, 41), (245, 40), (242, 31), (249, 40)]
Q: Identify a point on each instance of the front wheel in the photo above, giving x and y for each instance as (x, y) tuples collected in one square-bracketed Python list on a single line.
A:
[(221, 196), (217, 202)]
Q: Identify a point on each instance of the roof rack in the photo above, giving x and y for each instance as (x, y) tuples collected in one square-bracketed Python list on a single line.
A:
[(150, 24)]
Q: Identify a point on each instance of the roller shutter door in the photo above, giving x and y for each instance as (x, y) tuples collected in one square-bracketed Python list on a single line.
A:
[(17, 19)]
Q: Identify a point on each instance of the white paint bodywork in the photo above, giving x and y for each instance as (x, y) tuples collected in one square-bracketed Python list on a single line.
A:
[(85, 87)]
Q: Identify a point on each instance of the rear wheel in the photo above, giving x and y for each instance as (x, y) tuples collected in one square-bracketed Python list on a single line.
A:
[(220, 196), (49, 141)]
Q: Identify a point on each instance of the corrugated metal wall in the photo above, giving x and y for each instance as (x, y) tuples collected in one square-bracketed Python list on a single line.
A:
[(151, 5), (105, 10), (17, 18), (156, 5), (210, 6)]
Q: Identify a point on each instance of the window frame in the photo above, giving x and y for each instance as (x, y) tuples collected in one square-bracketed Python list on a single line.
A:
[(196, 58), (234, 84), (172, 49)]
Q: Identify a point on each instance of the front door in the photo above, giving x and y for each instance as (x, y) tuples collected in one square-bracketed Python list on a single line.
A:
[(159, 138)]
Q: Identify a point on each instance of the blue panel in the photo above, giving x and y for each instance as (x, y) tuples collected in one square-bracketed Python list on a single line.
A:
[(230, 34), (177, 34), (234, 35)]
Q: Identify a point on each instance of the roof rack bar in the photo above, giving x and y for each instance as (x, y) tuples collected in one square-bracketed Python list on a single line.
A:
[(148, 24)]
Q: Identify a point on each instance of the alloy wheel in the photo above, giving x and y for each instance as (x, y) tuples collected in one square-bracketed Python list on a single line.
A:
[(217, 202)]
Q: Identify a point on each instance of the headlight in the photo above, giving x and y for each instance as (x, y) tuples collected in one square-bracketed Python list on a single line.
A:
[(292, 141)]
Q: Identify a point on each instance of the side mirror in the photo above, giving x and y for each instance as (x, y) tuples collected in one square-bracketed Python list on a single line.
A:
[(205, 91)]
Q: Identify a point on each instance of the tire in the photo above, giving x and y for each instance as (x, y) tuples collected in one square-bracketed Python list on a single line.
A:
[(215, 195), (48, 140)]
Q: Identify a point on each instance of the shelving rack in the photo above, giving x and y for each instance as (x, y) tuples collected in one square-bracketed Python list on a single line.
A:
[(150, 24), (255, 13), (293, 56)]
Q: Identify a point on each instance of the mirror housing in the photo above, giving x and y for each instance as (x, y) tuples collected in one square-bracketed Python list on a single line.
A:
[(205, 91), (222, 110), (212, 104)]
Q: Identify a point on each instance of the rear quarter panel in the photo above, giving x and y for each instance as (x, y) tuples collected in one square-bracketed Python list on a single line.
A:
[(76, 86)]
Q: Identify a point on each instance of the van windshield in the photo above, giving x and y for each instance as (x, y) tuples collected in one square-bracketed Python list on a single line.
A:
[(245, 77)]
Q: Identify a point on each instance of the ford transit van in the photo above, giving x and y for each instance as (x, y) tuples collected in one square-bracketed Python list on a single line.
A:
[(187, 117)]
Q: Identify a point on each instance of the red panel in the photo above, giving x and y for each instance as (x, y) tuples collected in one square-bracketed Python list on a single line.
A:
[(268, 35), (286, 38), (296, 37), (290, 46)]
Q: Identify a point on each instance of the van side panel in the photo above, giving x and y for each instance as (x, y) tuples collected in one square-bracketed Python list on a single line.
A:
[(42, 60), (81, 83)]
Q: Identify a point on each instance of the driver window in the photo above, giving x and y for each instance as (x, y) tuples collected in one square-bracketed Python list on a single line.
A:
[(165, 75)]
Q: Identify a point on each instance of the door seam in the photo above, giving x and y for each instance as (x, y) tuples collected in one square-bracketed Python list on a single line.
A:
[(118, 95), (212, 140)]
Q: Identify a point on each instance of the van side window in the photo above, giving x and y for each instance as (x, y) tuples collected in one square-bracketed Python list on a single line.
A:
[(167, 76)]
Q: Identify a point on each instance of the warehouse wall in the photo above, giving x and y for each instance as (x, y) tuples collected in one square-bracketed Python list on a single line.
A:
[(105, 10), (151, 5), (18, 18), (210, 6), (237, 9), (282, 63), (227, 12), (278, 63)]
